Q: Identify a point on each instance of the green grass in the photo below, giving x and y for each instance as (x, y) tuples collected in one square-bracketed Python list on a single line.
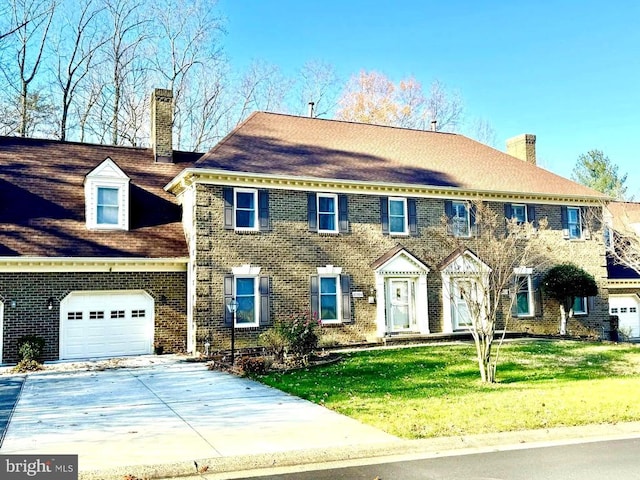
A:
[(435, 390)]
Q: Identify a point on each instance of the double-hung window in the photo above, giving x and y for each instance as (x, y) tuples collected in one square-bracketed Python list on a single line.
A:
[(524, 296), (329, 298), (519, 213), (398, 223), (460, 219), (107, 206), (580, 306), (246, 290), (327, 213), (246, 211), (574, 222)]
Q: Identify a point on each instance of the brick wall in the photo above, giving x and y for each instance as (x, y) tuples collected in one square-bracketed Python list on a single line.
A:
[(32, 290), (289, 254)]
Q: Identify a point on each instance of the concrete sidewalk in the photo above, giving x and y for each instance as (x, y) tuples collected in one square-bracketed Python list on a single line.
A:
[(157, 421)]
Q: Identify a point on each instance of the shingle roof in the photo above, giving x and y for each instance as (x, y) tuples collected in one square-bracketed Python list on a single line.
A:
[(42, 205), (279, 144)]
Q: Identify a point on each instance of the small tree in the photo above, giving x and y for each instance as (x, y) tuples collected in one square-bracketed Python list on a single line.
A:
[(595, 170), (565, 283)]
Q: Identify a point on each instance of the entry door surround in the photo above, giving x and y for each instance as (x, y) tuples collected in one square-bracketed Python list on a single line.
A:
[(401, 289)]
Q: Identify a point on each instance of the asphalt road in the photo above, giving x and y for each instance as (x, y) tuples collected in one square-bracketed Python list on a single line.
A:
[(617, 459)]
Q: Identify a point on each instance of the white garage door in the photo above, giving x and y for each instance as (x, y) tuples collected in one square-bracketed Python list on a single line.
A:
[(106, 324), (626, 308)]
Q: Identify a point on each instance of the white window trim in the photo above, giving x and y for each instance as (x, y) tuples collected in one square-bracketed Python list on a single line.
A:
[(335, 211), (256, 221), (468, 209), (585, 307), (106, 175), (524, 208), (405, 214), (256, 301), (338, 298), (530, 296), (579, 211)]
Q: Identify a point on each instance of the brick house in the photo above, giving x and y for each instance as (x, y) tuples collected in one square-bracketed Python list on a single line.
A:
[(108, 251), (92, 252), (290, 214)]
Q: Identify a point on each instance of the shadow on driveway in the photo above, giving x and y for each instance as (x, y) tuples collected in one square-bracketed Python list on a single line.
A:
[(10, 388)]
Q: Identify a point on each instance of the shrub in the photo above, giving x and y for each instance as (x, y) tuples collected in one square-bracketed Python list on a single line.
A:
[(253, 365), (30, 347), (275, 342), (26, 366)]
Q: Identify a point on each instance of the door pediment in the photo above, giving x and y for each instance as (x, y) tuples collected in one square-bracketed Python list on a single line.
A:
[(400, 262)]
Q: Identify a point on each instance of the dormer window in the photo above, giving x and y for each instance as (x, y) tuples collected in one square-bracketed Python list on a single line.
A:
[(107, 197)]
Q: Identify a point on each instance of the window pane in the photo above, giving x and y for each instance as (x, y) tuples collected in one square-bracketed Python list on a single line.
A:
[(328, 285), (396, 224), (244, 286), (107, 215), (327, 222), (328, 307), (579, 305), (244, 200), (519, 213), (523, 303), (246, 310), (573, 215), (396, 207), (108, 196), (245, 218), (326, 204)]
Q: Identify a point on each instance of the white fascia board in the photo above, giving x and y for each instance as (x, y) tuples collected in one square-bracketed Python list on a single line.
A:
[(91, 264), (190, 176)]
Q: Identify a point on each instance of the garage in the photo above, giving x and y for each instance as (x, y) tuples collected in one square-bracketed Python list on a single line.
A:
[(106, 324), (626, 308)]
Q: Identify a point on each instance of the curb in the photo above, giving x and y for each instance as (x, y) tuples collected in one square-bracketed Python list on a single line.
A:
[(406, 449)]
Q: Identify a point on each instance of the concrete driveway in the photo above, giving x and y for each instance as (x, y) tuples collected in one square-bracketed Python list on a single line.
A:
[(174, 413)]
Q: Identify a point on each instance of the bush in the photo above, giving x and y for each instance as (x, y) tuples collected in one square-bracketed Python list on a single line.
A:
[(26, 366), (275, 342), (253, 365), (30, 347)]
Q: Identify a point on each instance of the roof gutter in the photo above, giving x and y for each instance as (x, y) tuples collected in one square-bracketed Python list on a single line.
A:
[(92, 264)]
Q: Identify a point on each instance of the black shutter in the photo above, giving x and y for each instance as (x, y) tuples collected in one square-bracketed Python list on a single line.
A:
[(228, 296), (345, 289), (472, 219), (314, 291), (263, 210), (586, 232), (413, 216), (265, 311), (384, 214), (564, 218), (531, 214), (508, 212), (448, 211), (591, 304), (343, 214), (227, 195), (537, 298), (312, 212)]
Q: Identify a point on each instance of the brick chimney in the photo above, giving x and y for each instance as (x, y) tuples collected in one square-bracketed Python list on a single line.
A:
[(523, 147), (162, 125)]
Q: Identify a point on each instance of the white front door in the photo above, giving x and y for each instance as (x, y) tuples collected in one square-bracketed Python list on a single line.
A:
[(459, 308), (401, 304)]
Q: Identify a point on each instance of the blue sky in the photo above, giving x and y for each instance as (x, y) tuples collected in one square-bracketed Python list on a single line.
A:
[(566, 71)]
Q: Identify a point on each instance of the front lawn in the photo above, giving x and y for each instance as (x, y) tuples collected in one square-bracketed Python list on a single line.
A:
[(435, 390)]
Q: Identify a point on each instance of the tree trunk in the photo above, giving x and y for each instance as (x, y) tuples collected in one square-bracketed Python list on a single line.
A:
[(563, 320)]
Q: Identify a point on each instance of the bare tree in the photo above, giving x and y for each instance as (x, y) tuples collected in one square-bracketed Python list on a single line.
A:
[(482, 131), (623, 233), (30, 21), (123, 59), (318, 85), (262, 87), (185, 49), (77, 49), (445, 107)]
